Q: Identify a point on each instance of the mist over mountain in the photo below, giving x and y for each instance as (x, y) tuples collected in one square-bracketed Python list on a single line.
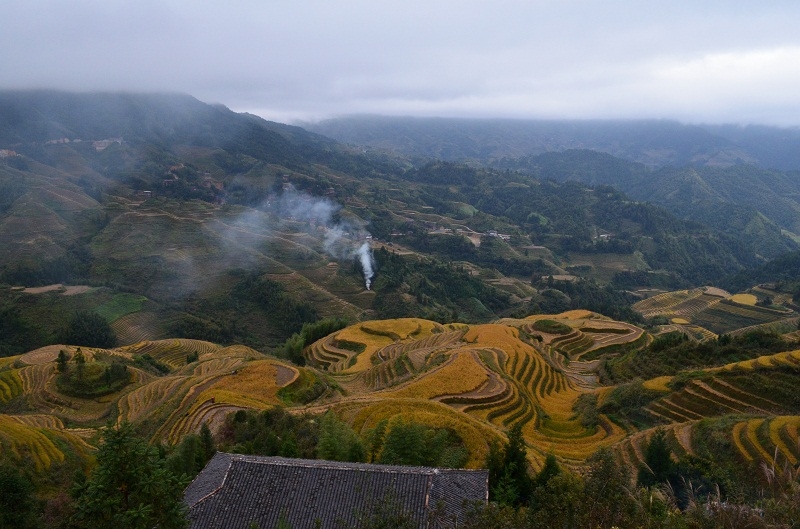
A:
[(651, 142), (233, 228)]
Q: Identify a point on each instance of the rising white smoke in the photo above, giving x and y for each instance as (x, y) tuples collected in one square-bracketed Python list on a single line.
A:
[(342, 240), (365, 256)]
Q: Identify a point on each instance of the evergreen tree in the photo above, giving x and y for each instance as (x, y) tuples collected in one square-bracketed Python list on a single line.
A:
[(658, 466), (188, 459), (559, 503), (494, 463), (515, 462), (374, 440), (404, 445), (509, 481), (130, 488), (549, 470), (207, 442), (338, 442), (88, 329), (607, 498), (80, 363), (17, 502), (62, 361)]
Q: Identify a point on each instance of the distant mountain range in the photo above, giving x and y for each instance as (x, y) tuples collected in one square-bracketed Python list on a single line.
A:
[(742, 180), (650, 142)]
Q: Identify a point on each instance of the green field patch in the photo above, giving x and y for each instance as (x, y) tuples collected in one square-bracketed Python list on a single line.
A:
[(551, 327), (305, 388), (356, 347), (604, 266), (119, 306)]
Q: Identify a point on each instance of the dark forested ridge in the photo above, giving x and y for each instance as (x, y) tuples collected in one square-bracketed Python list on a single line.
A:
[(752, 204)]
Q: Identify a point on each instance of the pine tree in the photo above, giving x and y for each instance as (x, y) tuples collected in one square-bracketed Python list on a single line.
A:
[(658, 465), (80, 363), (515, 461), (130, 488), (549, 470), (404, 445), (207, 442), (62, 361)]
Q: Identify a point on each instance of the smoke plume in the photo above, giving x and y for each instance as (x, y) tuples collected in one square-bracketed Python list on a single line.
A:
[(365, 256), (343, 238)]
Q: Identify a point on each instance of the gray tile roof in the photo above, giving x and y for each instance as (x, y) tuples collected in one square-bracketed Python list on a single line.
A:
[(235, 490)]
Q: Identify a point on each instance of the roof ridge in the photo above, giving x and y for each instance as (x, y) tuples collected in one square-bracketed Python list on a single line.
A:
[(221, 483), (323, 463)]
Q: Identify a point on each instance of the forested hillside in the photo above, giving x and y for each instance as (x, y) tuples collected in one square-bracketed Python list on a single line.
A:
[(757, 206), (169, 209), (740, 180)]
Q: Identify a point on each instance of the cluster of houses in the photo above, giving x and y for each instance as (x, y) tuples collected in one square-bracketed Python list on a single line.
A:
[(442, 230)]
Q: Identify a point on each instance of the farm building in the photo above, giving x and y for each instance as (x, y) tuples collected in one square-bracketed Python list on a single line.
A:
[(238, 492)]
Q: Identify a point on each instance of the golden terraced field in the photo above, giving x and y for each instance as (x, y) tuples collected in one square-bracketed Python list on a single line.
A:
[(477, 380)]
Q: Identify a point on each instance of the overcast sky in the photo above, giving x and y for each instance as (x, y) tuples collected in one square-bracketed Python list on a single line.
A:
[(695, 61)]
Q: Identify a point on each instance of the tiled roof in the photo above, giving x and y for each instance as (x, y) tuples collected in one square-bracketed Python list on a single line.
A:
[(235, 490)]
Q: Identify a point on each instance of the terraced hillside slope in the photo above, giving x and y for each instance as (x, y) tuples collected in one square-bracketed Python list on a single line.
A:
[(707, 312), (544, 373), (478, 379), (172, 387)]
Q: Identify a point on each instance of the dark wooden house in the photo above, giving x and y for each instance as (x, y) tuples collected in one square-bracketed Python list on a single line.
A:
[(238, 491)]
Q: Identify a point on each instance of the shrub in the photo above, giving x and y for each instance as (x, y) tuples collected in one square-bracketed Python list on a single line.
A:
[(88, 329), (551, 327)]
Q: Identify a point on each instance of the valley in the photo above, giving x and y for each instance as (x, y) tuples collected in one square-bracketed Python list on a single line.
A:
[(212, 269)]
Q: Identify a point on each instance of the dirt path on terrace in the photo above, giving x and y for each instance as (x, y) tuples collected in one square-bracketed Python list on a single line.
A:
[(42, 290), (66, 290), (285, 375)]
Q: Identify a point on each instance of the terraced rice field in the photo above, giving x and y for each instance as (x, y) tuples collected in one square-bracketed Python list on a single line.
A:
[(727, 316), (10, 385), (703, 313), (477, 380), (475, 434), (461, 374), (487, 373), (760, 395), (144, 400), (174, 352), (43, 355), (253, 385), (137, 327), (666, 303), (32, 443)]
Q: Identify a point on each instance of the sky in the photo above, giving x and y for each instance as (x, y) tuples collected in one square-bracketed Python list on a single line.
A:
[(700, 61)]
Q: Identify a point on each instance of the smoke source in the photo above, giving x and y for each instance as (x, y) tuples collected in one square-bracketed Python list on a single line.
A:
[(365, 256)]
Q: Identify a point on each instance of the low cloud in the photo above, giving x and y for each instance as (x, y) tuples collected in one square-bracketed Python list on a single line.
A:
[(306, 59)]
